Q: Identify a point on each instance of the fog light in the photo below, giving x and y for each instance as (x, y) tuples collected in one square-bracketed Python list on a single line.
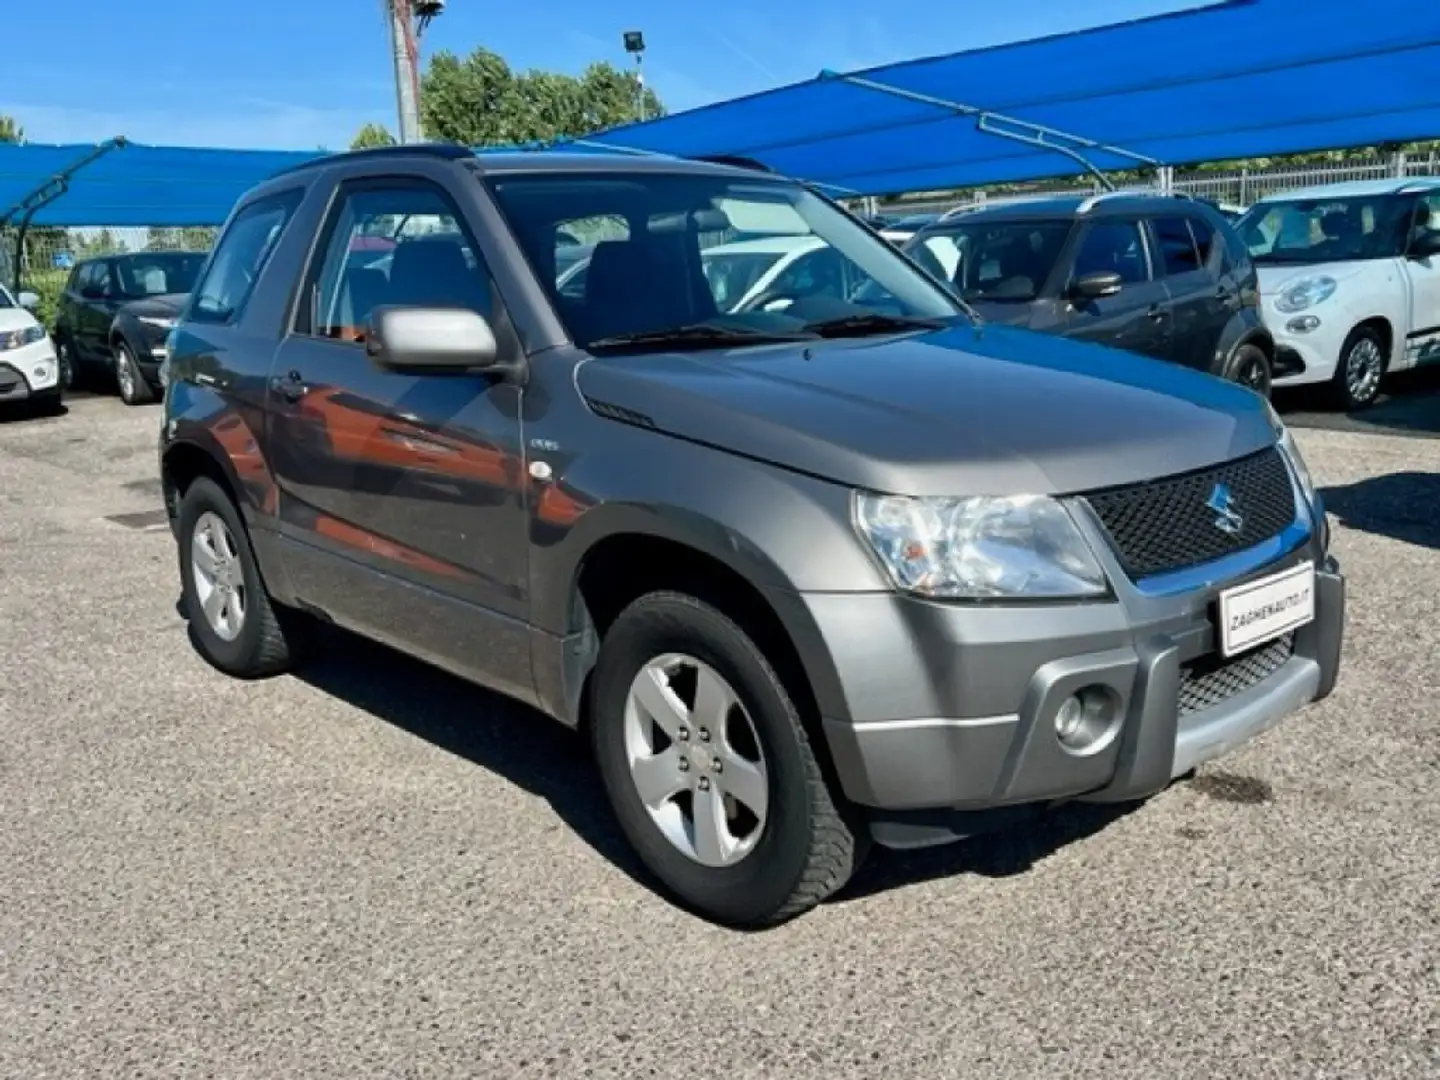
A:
[(1303, 324), (1086, 722), (1069, 719)]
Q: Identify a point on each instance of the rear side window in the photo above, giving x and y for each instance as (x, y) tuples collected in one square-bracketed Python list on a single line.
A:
[(239, 258)]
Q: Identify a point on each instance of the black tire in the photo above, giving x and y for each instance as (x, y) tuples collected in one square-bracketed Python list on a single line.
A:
[(1250, 367), (1340, 389), (807, 849), (262, 647), (129, 379), (70, 374)]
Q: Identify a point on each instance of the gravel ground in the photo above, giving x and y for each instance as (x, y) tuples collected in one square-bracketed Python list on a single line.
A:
[(372, 870)]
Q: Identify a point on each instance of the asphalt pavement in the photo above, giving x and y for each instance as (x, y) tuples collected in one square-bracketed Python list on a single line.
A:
[(370, 869)]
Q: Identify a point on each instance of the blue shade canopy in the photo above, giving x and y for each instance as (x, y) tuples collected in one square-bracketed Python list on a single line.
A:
[(1237, 79), (139, 185)]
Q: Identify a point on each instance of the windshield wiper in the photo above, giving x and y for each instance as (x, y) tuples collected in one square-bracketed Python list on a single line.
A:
[(698, 334), (871, 323)]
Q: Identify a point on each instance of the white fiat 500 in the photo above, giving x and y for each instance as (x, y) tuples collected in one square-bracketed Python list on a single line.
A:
[(1349, 281), (28, 368)]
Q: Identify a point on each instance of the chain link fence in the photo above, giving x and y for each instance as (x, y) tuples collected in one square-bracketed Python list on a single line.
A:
[(42, 261)]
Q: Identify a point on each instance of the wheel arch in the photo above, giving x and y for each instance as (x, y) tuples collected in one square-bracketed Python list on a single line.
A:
[(641, 552)]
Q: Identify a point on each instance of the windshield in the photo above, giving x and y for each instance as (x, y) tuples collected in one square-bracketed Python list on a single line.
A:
[(992, 261), (157, 274), (672, 251), (1323, 230)]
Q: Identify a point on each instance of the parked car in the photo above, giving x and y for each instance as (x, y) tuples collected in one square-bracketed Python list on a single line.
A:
[(29, 371), (901, 230), (811, 578), (114, 316), (1350, 280), (1161, 276)]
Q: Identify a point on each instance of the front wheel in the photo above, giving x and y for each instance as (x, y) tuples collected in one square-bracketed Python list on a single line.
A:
[(710, 770), (1361, 369), (134, 390)]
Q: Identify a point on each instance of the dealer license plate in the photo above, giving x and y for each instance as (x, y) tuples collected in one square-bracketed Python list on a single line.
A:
[(1259, 611)]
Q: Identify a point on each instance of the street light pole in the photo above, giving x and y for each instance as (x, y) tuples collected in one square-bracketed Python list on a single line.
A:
[(408, 20), (635, 46)]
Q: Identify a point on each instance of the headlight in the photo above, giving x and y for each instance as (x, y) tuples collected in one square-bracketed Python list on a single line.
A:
[(1019, 546), (1292, 455), (1304, 294), (16, 339), (157, 321)]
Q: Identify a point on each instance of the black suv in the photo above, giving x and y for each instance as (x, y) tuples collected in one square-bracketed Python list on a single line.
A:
[(115, 314), (1163, 276), (806, 578)]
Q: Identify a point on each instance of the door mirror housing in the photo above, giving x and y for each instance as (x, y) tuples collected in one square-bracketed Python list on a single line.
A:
[(28, 300), (1096, 285), (432, 340)]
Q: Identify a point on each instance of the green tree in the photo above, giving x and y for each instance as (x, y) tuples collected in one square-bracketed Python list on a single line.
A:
[(10, 130), (480, 101), (372, 135)]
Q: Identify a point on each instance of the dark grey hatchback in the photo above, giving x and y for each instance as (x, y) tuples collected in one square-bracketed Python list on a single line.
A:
[(1165, 277), (835, 569)]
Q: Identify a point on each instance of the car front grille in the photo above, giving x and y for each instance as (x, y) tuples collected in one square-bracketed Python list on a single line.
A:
[(1215, 679), (1172, 523)]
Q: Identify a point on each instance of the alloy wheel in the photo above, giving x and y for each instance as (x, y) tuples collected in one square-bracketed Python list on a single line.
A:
[(696, 760)]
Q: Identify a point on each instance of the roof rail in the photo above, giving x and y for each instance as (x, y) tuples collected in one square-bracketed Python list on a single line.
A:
[(736, 161), (448, 151), (1090, 202)]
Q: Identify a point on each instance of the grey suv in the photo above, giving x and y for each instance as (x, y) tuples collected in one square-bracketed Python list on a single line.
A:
[(806, 577)]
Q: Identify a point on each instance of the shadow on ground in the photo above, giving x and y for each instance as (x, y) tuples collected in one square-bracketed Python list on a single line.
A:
[(1403, 506), (554, 763), (1410, 406)]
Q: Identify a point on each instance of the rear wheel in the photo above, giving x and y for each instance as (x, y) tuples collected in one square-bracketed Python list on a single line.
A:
[(236, 626), (710, 770), (1361, 369)]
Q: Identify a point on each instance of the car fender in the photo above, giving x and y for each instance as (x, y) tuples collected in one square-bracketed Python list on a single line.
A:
[(1245, 327)]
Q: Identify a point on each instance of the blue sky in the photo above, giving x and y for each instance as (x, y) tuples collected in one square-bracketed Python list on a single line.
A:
[(296, 74)]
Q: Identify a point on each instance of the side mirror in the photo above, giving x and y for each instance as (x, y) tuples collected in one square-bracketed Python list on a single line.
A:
[(28, 300), (432, 340), (1096, 285), (1425, 245)]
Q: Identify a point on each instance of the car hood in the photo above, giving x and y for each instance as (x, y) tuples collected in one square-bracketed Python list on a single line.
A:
[(165, 306), (15, 318), (998, 411), (1277, 278)]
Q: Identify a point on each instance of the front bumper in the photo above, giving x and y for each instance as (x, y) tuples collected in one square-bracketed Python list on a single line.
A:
[(952, 708), (29, 371), (1308, 356)]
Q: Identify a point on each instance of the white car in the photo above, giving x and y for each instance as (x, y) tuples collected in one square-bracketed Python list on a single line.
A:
[(29, 370), (1349, 281)]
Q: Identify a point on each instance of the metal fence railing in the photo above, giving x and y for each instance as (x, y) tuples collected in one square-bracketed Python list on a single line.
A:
[(1238, 186), (42, 262)]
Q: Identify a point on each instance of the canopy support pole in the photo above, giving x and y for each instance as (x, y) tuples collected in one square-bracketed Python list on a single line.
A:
[(42, 196), (1008, 127)]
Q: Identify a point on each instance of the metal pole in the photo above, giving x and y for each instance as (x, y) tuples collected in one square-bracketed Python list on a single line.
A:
[(639, 89), (402, 46)]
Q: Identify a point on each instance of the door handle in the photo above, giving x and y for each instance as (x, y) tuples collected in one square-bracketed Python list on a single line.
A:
[(1156, 313), (290, 386)]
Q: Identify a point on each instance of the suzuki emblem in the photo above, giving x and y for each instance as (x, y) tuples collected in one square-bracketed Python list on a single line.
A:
[(1227, 518)]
